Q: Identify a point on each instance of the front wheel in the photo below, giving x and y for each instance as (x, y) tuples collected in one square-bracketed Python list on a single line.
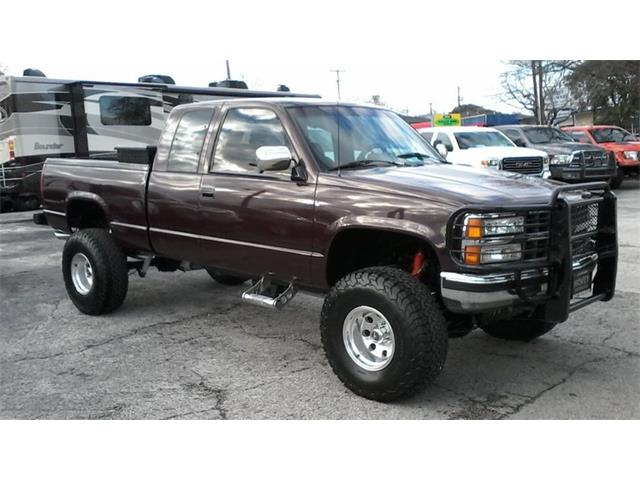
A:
[(383, 333), (95, 271), (616, 180), (520, 330)]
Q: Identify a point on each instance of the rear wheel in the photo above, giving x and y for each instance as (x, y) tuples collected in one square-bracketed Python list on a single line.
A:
[(514, 329), (224, 279), (383, 333), (95, 271)]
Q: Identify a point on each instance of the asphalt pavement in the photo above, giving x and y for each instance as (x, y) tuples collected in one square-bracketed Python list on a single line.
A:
[(185, 347)]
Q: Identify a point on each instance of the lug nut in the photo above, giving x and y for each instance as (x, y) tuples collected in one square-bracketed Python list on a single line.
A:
[(372, 346)]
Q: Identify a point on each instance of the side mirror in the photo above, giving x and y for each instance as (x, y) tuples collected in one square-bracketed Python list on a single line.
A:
[(519, 142), (442, 150), (272, 158)]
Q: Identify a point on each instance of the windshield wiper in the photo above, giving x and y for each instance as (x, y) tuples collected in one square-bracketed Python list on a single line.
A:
[(365, 163), (421, 156)]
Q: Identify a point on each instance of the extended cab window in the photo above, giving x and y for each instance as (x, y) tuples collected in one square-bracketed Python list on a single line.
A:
[(188, 141), (118, 110), (244, 131)]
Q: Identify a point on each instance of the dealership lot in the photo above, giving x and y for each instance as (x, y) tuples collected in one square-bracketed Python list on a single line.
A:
[(183, 346)]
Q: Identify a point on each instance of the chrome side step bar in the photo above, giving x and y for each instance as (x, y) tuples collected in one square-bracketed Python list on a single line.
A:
[(267, 294)]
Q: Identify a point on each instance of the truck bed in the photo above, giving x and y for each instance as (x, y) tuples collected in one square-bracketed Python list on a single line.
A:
[(120, 188)]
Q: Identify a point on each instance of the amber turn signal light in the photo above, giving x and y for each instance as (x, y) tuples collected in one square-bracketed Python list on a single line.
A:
[(472, 254), (474, 228)]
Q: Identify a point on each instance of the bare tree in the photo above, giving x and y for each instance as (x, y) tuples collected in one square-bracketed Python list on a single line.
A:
[(540, 87)]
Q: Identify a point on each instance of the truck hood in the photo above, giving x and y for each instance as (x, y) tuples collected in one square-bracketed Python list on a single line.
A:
[(565, 148), (457, 185), (484, 153), (622, 147)]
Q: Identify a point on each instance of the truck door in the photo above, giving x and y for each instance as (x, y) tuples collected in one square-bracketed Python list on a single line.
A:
[(251, 221), (174, 186)]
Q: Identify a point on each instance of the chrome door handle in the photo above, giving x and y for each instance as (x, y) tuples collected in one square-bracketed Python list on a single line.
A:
[(208, 192)]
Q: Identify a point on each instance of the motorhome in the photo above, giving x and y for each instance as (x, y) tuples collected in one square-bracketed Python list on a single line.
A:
[(42, 118)]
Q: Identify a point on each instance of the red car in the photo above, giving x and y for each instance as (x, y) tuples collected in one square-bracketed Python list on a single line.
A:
[(623, 144)]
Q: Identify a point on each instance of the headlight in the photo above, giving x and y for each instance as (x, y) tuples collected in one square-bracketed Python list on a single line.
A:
[(632, 155), (491, 163), (489, 238), (561, 159)]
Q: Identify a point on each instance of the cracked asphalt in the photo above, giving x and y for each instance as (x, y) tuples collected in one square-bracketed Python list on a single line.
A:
[(184, 347)]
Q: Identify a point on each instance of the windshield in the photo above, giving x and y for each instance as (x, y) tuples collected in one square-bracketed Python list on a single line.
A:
[(607, 135), (546, 135), (343, 135), (481, 139)]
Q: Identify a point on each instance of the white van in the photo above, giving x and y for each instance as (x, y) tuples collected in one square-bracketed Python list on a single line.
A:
[(483, 147)]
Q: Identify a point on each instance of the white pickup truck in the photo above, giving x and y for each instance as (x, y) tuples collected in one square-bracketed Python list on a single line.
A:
[(486, 148)]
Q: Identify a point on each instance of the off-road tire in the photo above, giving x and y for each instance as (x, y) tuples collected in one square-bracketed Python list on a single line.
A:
[(224, 279), (616, 180), (418, 325), (520, 330), (109, 266)]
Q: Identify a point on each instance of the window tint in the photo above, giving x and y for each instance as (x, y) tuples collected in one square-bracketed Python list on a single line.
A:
[(188, 141), (443, 138), (244, 131), (481, 138), (514, 135), (579, 137), (427, 135), (341, 135), (125, 110), (606, 135)]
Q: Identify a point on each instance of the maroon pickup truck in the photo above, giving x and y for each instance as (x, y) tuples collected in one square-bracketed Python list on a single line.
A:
[(345, 201)]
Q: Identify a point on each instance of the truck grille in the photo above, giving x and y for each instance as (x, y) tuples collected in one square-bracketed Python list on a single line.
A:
[(536, 227), (591, 158), (526, 165), (584, 227)]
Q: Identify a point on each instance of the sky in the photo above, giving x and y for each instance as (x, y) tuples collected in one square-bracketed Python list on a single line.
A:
[(409, 53)]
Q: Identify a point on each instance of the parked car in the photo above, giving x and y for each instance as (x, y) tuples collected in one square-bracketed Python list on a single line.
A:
[(482, 147), (345, 201), (622, 144), (569, 161)]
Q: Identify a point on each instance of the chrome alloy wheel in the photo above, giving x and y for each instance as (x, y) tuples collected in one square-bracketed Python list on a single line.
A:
[(81, 273), (368, 338)]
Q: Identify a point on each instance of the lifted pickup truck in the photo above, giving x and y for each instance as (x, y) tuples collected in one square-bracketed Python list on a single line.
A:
[(346, 201)]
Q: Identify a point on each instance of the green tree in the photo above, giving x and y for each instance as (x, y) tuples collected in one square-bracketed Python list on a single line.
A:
[(610, 88)]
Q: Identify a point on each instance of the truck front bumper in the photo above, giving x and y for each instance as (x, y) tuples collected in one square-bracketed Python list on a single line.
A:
[(581, 173), (476, 293), (578, 269)]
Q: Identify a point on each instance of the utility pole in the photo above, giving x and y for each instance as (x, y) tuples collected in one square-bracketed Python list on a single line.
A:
[(536, 100), (228, 70), (459, 98), (431, 113), (338, 71), (543, 119)]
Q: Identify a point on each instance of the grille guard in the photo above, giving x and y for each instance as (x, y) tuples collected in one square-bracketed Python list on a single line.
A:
[(556, 304)]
